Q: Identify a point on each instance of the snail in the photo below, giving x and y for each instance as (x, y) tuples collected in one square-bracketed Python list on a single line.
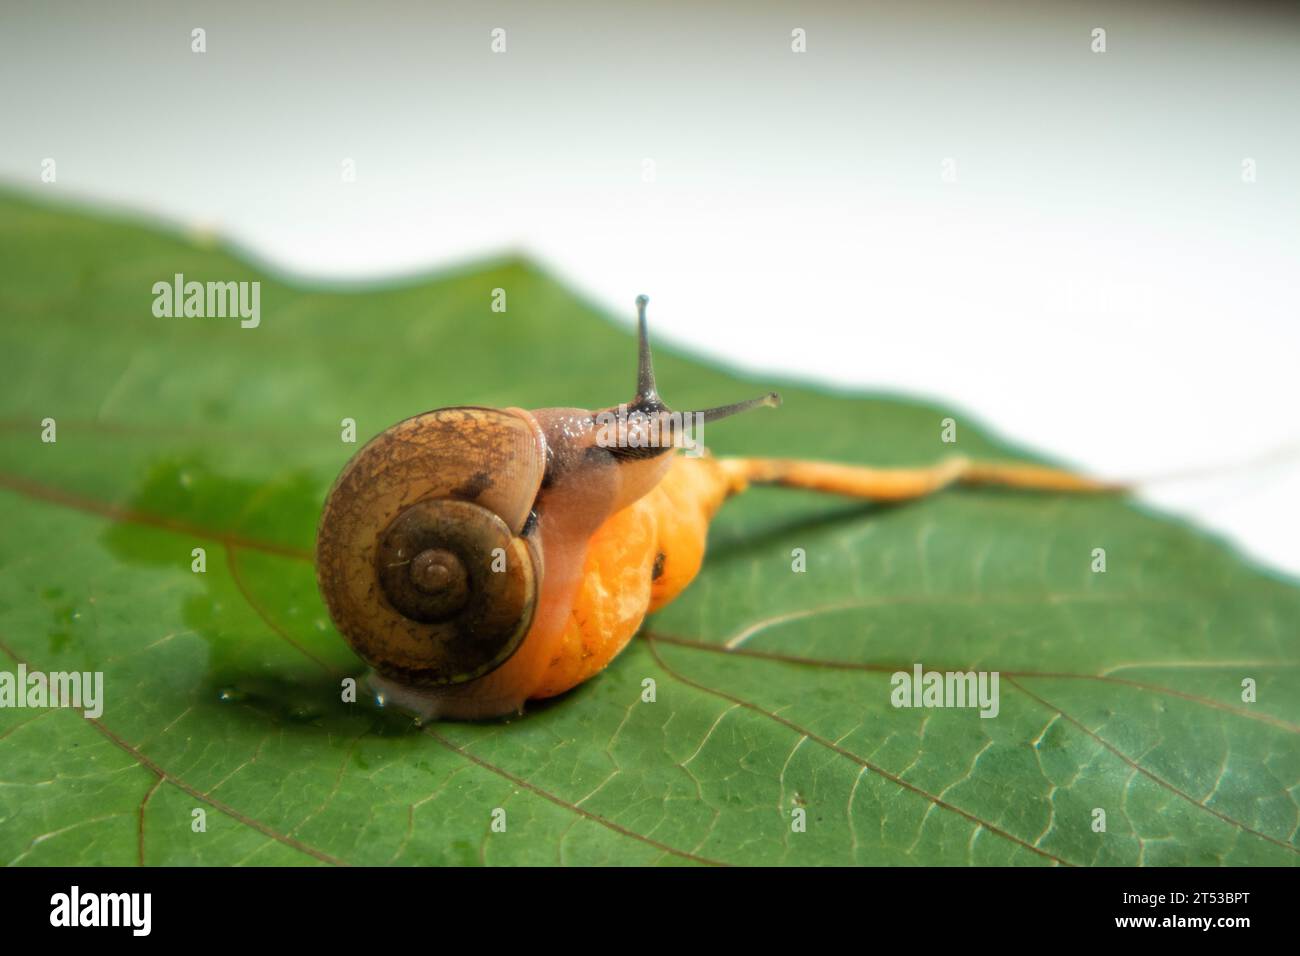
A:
[(478, 558)]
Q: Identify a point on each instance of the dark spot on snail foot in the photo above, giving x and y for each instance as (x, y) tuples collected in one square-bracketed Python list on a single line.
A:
[(658, 570), (477, 483)]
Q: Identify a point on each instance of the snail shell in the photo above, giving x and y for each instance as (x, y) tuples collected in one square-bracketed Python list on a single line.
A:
[(420, 553)]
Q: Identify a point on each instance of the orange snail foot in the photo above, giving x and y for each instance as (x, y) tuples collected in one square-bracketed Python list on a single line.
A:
[(640, 559)]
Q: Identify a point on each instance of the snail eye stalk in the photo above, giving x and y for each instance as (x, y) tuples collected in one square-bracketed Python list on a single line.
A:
[(647, 398)]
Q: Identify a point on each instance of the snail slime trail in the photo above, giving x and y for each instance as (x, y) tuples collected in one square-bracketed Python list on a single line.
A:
[(477, 558)]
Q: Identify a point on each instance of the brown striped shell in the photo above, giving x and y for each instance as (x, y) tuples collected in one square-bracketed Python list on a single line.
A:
[(420, 552)]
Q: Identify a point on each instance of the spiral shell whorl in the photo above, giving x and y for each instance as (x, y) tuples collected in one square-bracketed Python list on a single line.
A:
[(418, 551)]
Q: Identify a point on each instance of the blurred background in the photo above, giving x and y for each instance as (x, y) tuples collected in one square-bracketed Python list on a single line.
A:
[(1095, 253)]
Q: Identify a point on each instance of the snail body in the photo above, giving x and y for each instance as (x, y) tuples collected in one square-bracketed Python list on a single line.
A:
[(478, 558), (461, 551)]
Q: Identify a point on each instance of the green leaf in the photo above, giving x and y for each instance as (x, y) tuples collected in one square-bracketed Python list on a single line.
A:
[(1120, 691)]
